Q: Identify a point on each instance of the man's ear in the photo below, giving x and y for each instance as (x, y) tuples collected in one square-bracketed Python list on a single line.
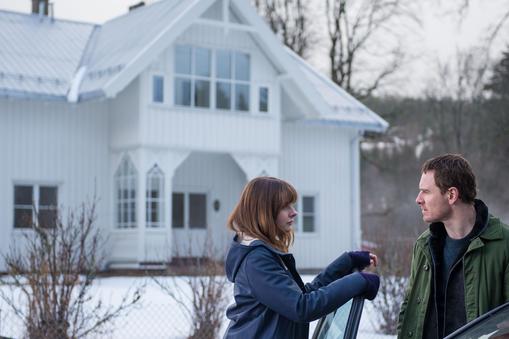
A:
[(453, 195)]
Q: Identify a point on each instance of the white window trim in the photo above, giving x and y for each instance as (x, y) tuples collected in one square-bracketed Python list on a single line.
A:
[(300, 214), (269, 106), (155, 172), (152, 87), (213, 79), (186, 193), (130, 225), (193, 77), (36, 185)]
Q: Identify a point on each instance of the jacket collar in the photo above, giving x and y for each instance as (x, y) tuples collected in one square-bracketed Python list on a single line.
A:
[(437, 229)]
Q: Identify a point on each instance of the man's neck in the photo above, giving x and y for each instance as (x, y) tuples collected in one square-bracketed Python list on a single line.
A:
[(462, 221)]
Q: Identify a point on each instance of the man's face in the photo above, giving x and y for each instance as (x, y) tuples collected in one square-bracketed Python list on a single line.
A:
[(434, 205)]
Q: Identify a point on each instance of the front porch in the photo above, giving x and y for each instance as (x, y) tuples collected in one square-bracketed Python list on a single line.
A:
[(175, 204)]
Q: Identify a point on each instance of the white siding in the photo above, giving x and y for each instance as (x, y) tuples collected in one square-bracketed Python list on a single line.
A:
[(164, 125), (125, 117), (53, 143), (316, 159)]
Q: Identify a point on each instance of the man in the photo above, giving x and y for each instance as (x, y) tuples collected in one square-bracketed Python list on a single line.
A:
[(460, 265)]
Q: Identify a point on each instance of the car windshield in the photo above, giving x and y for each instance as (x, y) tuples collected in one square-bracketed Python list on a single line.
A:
[(494, 325)]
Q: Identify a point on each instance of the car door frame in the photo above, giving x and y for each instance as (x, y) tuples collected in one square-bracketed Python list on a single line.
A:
[(354, 318)]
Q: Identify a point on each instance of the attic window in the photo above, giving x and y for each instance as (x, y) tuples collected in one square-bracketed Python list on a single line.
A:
[(192, 80), (195, 78), (232, 80)]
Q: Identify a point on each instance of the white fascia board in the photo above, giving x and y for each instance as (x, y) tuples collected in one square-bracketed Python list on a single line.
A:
[(73, 94), (187, 16), (227, 25), (380, 121), (279, 56)]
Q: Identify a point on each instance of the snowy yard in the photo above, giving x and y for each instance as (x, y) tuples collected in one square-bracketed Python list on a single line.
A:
[(157, 316)]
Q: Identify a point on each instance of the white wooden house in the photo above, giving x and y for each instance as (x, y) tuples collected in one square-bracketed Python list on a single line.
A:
[(165, 113)]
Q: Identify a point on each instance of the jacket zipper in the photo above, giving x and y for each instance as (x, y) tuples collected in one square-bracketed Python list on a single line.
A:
[(435, 288)]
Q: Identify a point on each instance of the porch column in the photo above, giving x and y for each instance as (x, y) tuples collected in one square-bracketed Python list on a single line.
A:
[(257, 165), (173, 160), (140, 160)]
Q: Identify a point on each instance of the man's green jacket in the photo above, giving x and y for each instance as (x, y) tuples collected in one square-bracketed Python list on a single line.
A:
[(486, 278)]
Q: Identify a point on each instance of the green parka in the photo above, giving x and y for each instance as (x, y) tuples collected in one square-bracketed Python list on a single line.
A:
[(486, 278)]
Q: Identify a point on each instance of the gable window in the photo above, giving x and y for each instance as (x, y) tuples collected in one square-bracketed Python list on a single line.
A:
[(232, 80), (157, 88), (192, 76), (189, 210), (263, 99), (125, 194), (155, 197), (306, 219), (35, 203)]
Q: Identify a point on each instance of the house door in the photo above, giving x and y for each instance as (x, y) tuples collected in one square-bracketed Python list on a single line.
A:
[(189, 222)]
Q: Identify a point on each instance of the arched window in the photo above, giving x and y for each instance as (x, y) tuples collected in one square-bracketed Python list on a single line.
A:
[(125, 194), (155, 197)]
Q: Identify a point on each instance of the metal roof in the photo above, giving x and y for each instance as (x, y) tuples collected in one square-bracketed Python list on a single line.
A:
[(39, 56), (53, 59), (344, 109)]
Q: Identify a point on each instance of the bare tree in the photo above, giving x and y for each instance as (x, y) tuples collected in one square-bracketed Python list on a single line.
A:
[(456, 97), (290, 20), (53, 273), (201, 293), (356, 30)]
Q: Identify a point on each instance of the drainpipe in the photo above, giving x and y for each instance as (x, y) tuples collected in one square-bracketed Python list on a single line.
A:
[(355, 240)]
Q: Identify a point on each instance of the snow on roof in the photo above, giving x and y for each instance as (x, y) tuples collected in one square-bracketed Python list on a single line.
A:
[(42, 57), (121, 39), (39, 55), (344, 108)]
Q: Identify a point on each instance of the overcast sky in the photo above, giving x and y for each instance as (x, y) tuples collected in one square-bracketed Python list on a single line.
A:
[(439, 38)]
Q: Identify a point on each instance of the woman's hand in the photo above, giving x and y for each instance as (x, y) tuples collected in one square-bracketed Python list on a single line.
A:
[(363, 259)]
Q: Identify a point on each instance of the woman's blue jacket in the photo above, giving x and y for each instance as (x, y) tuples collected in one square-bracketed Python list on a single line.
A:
[(271, 301)]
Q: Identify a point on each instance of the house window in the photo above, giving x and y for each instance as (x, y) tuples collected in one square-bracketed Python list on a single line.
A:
[(232, 80), (306, 220), (189, 210), (263, 99), (192, 76), (157, 88), (155, 198), (35, 203), (125, 196)]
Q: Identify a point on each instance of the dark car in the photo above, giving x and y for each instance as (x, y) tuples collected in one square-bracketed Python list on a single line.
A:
[(344, 323)]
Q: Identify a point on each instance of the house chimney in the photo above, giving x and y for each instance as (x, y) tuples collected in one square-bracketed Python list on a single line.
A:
[(40, 7), (138, 5)]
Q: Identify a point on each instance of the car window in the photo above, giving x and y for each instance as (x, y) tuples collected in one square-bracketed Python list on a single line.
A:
[(342, 323), (492, 325)]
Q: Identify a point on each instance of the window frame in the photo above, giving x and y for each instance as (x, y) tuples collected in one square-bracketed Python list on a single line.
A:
[(299, 227), (153, 87), (214, 79), (155, 173), (35, 207), (132, 202), (187, 216), (267, 87), (193, 77)]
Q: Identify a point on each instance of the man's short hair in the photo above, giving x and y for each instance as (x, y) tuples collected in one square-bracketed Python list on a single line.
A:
[(452, 170)]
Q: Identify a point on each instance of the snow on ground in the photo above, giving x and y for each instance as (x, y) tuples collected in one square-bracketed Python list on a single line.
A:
[(156, 316)]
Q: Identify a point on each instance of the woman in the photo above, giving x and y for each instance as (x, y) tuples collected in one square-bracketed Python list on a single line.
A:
[(271, 301)]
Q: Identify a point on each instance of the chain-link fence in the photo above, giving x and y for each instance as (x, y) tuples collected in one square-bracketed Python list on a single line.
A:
[(157, 316)]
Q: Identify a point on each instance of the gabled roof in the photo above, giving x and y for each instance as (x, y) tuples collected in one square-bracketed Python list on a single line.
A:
[(345, 109), (64, 60), (39, 56)]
